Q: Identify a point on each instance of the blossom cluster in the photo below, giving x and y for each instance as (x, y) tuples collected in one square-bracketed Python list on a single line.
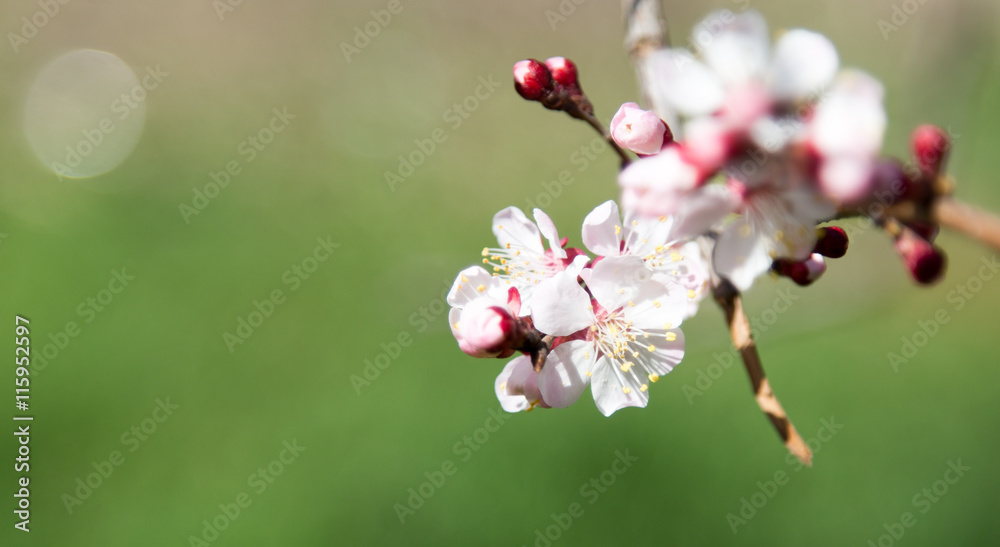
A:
[(748, 149)]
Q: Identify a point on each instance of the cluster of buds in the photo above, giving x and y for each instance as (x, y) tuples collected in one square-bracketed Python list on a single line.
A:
[(553, 83)]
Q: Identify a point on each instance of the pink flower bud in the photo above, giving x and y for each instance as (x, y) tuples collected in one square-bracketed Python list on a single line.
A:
[(487, 326), (532, 79), (638, 130), (930, 147), (832, 242), (563, 71)]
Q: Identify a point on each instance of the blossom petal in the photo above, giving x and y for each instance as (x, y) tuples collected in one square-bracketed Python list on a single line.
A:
[(669, 351), (741, 254), (548, 229), (602, 230), (803, 65), (517, 385), (563, 378), (512, 227), (735, 47), (560, 307), (701, 210), (680, 84), (472, 283), (613, 389), (616, 281)]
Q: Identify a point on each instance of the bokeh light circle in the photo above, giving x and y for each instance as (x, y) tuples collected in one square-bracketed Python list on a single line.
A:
[(85, 113)]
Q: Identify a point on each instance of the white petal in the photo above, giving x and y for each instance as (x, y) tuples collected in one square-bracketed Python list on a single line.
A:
[(701, 210), (741, 254), (512, 227), (548, 229), (602, 230), (735, 47), (678, 83), (472, 283), (517, 385), (560, 307), (804, 64), (616, 281), (851, 119), (668, 353), (563, 377), (614, 389), (656, 305)]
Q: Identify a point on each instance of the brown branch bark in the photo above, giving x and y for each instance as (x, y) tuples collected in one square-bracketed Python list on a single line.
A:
[(729, 300), (957, 215)]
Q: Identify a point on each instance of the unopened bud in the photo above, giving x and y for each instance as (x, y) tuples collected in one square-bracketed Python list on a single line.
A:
[(831, 242), (930, 147), (925, 262), (638, 130), (532, 79), (803, 272), (563, 71), (487, 327)]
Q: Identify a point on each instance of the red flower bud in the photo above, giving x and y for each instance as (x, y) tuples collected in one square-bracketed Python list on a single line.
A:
[(832, 242), (925, 262), (930, 148), (563, 71), (532, 79)]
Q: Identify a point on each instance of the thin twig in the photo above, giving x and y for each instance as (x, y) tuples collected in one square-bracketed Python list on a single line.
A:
[(592, 120), (957, 215), (729, 300)]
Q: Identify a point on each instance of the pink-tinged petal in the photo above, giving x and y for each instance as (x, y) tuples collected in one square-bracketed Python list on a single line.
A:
[(638, 130), (847, 179), (560, 307), (803, 65), (655, 185), (602, 230), (548, 229), (563, 378), (517, 386), (472, 283), (512, 227), (735, 47), (741, 254), (851, 118), (616, 281), (807, 207), (701, 210), (678, 83), (486, 323), (613, 389), (575, 268), (455, 321)]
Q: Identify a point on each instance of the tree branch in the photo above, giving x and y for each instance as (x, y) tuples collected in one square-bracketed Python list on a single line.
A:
[(729, 300), (956, 215)]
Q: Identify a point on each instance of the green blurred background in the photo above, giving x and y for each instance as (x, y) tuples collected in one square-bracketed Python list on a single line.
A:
[(367, 444)]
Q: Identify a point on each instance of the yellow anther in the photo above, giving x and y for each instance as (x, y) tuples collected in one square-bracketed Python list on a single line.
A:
[(651, 347), (456, 326), (627, 390), (691, 294), (656, 303), (486, 251), (643, 387), (662, 219), (635, 223), (654, 378), (671, 336), (675, 257), (587, 373), (618, 230), (507, 245), (481, 288), (667, 326), (503, 386)]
